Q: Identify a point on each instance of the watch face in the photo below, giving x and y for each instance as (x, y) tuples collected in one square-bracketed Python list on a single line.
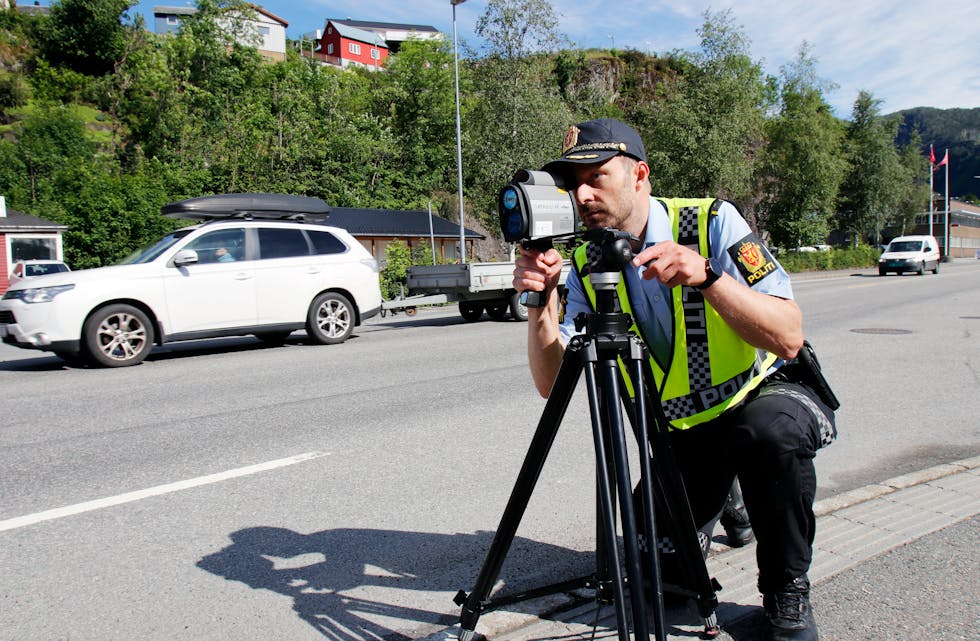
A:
[(716, 267)]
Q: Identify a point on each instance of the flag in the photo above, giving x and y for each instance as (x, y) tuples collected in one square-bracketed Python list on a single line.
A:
[(944, 161), (932, 156)]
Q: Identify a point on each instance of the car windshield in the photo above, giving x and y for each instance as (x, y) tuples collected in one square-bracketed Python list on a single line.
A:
[(150, 253), (44, 268), (905, 246)]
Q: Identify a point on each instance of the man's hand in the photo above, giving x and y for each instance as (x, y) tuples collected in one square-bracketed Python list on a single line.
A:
[(537, 271), (672, 264)]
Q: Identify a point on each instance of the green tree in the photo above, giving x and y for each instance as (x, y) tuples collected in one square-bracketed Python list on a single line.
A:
[(802, 164), (395, 270), (515, 117), (87, 36), (872, 186), (914, 184), (702, 138), (49, 140), (416, 95)]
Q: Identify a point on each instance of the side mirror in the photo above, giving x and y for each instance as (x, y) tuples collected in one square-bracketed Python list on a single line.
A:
[(185, 257)]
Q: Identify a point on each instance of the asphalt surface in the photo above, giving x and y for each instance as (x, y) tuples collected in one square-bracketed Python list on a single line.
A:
[(896, 560)]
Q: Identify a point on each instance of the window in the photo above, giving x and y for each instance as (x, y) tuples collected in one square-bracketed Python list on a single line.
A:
[(282, 243), (33, 248), (220, 246), (375, 54), (326, 243), (354, 48), (264, 31), (330, 49)]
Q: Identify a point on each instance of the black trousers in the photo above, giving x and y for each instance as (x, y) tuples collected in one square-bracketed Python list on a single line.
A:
[(768, 442)]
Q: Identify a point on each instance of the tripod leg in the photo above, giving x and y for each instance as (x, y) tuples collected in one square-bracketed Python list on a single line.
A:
[(605, 503), (646, 493), (674, 495), (617, 436), (561, 394)]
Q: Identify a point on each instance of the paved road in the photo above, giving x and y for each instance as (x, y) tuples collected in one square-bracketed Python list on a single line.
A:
[(223, 490), (898, 558)]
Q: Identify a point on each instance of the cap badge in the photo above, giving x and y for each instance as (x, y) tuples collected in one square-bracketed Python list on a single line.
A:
[(571, 138)]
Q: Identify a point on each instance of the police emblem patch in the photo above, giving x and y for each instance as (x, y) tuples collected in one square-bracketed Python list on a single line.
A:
[(752, 259)]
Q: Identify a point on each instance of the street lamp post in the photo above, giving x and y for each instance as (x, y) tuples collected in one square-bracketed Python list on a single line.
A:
[(459, 138)]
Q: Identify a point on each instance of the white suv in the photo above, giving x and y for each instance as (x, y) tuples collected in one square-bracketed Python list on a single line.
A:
[(257, 265)]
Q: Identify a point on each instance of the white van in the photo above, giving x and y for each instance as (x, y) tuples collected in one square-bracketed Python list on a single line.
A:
[(910, 254)]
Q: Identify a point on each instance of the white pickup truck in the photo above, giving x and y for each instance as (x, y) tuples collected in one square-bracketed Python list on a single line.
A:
[(478, 287)]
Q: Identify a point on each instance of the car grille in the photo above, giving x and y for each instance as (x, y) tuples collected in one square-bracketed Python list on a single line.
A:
[(7, 317)]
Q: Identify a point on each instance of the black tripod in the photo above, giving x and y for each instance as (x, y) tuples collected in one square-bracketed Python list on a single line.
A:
[(595, 352)]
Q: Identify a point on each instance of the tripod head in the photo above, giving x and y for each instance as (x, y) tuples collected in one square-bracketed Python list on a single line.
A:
[(608, 254)]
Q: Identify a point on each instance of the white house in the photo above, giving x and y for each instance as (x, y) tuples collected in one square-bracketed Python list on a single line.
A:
[(267, 32)]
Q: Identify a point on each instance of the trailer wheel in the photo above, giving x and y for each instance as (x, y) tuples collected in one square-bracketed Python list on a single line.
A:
[(517, 310), (411, 311), (470, 311), (497, 310)]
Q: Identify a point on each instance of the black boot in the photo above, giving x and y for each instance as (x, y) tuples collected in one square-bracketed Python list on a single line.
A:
[(735, 519), (788, 613)]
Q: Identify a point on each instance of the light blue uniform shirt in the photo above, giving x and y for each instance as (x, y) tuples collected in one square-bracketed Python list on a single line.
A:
[(651, 300)]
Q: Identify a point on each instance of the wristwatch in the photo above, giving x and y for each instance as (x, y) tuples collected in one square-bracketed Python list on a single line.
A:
[(713, 271)]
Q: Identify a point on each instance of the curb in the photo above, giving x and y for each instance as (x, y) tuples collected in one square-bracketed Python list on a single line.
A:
[(498, 624), (868, 492)]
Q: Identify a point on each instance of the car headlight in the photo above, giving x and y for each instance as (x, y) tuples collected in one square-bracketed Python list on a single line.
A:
[(38, 294)]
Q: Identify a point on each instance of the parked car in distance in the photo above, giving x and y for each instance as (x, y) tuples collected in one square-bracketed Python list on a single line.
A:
[(261, 264), (910, 254), (27, 268)]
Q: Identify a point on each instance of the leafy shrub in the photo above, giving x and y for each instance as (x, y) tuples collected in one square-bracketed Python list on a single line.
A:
[(14, 91), (847, 258)]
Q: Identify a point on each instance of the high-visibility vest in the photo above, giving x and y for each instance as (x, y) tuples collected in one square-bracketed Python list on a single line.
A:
[(711, 368)]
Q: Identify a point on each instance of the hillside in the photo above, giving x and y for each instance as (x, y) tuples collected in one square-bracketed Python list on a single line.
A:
[(955, 129)]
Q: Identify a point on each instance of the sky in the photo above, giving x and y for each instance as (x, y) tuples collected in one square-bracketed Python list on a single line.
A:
[(906, 53)]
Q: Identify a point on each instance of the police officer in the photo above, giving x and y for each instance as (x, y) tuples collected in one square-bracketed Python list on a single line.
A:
[(717, 313)]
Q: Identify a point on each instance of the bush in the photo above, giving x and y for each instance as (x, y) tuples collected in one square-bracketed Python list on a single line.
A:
[(847, 258), (14, 91)]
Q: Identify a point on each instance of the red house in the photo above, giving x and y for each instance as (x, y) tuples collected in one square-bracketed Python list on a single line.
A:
[(344, 46)]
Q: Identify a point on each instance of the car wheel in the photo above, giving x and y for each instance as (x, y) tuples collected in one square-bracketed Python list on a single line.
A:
[(517, 309), (935, 270), (330, 319), (882, 272), (274, 339), (117, 336), (922, 268), (497, 310), (470, 311)]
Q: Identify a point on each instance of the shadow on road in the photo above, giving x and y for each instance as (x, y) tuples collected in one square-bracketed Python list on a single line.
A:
[(328, 574)]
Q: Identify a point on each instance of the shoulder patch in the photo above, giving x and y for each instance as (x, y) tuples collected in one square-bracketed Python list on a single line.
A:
[(752, 258)]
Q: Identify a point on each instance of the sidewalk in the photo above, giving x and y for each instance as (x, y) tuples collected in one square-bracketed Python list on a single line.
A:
[(851, 528)]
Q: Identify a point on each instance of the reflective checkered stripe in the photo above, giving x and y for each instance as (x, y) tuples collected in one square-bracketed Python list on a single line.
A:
[(711, 367), (693, 306)]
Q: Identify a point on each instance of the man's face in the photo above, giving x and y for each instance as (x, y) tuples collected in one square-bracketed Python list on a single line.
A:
[(606, 192)]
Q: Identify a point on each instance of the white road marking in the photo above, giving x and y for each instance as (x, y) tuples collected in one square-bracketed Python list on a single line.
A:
[(128, 497)]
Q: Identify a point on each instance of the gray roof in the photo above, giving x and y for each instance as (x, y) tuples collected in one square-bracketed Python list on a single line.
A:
[(173, 11), (358, 34), (18, 221), (385, 26), (396, 223)]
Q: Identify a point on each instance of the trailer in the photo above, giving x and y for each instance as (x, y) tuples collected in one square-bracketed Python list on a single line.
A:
[(477, 287)]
